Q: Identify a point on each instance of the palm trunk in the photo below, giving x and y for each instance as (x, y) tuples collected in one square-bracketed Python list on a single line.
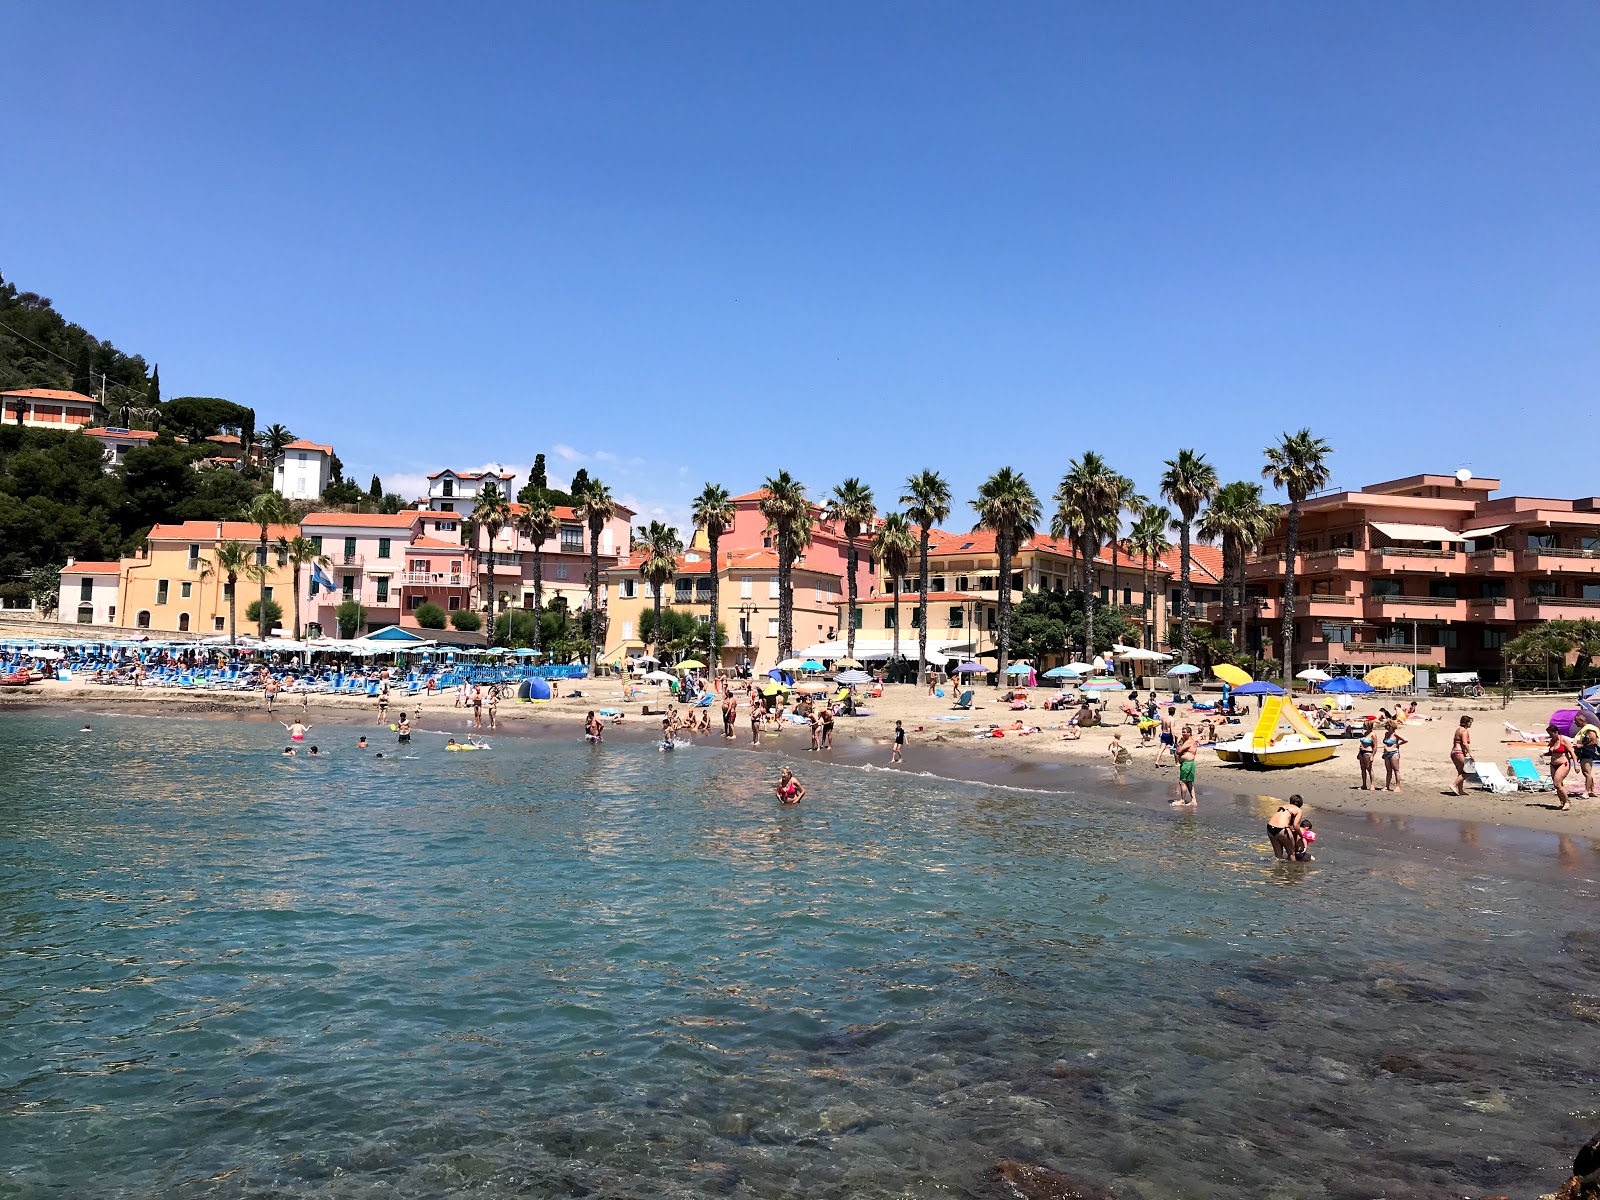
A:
[(850, 614), (714, 661), (1003, 542), (655, 642), (785, 597), (922, 611), (297, 602), (1183, 589), (261, 599), (1238, 570), (1149, 607), (538, 598), (897, 619), (1227, 590), (1088, 607), (594, 600), (233, 609), (1288, 592)]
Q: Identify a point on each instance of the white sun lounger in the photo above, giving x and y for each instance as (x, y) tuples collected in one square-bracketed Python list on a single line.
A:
[(1490, 775)]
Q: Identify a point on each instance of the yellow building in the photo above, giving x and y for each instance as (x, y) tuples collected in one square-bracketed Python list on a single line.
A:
[(749, 604), (173, 583)]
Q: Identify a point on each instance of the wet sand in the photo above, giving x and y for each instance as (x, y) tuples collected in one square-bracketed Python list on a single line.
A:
[(1042, 761)]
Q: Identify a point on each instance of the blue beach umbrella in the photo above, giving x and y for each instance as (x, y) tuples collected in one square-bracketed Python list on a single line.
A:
[(811, 664), (1346, 685), (1018, 669), (971, 668), (1061, 673), (1259, 688), (1184, 669)]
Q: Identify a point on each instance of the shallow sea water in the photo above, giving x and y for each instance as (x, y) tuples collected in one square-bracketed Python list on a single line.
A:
[(552, 970)]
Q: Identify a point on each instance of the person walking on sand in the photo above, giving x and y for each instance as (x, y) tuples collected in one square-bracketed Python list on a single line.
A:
[(494, 707), (1117, 752), (1460, 751), (898, 753), (1392, 741), (1559, 752), (1188, 748)]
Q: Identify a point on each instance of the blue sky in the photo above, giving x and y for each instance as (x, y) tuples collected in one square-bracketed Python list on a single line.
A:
[(681, 242)]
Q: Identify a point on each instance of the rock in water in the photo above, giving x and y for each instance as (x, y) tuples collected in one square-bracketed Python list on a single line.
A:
[(1026, 1181)]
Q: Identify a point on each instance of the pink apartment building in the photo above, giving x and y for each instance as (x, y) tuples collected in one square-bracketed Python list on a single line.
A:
[(385, 562), (827, 554)]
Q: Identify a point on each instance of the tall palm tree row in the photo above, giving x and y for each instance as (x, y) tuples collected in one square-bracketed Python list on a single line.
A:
[(927, 501), (713, 511), (1297, 463), (662, 545), (1129, 501), (1006, 506), (1148, 539), (300, 553), (893, 545), (1089, 509), (536, 521), (788, 513), (1227, 520), (853, 507), (1188, 482), (264, 511), (489, 516), (595, 506), (233, 561)]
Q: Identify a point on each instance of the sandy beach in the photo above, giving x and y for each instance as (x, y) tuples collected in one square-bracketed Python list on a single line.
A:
[(1332, 785)]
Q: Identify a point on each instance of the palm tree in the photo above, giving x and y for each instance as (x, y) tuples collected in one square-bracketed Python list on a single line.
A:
[(1089, 504), (853, 507), (1261, 525), (1129, 501), (1148, 539), (713, 511), (661, 549), (1188, 482), (1227, 520), (1299, 465), (927, 501), (265, 511), (537, 522), (1006, 506), (595, 507), (233, 560), (489, 516), (300, 552), (893, 545), (788, 513), (273, 439)]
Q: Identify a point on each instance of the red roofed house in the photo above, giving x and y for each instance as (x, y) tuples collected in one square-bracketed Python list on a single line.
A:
[(89, 593), (172, 583), (48, 408), (303, 470), (371, 555), (119, 441), (827, 552)]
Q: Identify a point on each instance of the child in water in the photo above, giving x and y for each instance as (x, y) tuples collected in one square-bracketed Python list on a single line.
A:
[(1307, 836)]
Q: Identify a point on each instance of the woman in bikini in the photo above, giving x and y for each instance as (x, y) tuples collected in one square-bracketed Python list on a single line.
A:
[(1460, 751), (1559, 752), (1364, 754), (1282, 826), (1392, 741), (789, 790)]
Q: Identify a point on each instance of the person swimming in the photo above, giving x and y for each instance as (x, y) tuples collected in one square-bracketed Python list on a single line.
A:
[(788, 789), (288, 752), (314, 752), (361, 743)]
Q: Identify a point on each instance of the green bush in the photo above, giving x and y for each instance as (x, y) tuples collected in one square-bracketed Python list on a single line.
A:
[(351, 617), (431, 616), (274, 614), (466, 620)]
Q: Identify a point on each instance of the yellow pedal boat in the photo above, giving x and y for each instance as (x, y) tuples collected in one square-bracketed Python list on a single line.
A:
[(1281, 738)]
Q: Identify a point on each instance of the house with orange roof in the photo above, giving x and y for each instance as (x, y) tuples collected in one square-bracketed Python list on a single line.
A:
[(457, 491), (119, 441), (368, 553), (172, 582), (302, 470), (89, 593), (828, 551), (563, 557), (48, 408)]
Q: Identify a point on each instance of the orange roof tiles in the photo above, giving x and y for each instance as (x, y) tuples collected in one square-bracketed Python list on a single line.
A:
[(399, 520), (302, 444), (211, 531), (50, 394), (138, 435), (428, 543), (93, 568)]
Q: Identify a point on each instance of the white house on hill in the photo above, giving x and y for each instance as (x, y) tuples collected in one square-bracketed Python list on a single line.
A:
[(303, 471)]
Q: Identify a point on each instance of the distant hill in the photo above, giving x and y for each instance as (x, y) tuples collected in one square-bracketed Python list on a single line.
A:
[(41, 348)]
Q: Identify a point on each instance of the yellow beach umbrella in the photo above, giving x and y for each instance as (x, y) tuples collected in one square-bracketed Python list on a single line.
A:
[(1388, 677), (773, 688), (1231, 674), (847, 662), (690, 664)]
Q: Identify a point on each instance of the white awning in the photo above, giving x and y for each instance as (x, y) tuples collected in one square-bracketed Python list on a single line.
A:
[(1486, 531), (875, 650), (1416, 533)]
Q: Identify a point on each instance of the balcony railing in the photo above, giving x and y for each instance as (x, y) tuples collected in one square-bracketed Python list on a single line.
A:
[(1421, 601), (433, 579), (1566, 601), (1563, 551), (1415, 552), (350, 560)]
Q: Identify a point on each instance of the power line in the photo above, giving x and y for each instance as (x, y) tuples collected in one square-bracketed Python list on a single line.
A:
[(68, 361)]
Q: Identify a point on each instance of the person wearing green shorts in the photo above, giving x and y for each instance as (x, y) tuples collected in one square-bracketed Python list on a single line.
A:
[(1187, 750)]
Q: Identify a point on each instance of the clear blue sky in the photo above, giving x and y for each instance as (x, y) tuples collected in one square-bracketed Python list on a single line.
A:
[(706, 241)]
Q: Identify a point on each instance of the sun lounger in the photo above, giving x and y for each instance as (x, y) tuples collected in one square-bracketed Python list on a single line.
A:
[(1528, 777), (1518, 734), (964, 700), (1490, 777)]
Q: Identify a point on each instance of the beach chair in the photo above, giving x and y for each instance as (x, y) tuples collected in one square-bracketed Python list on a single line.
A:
[(1490, 777), (1518, 734), (964, 700), (1528, 777)]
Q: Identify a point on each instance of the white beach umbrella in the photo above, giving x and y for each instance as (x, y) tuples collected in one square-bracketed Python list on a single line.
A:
[(1314, 674), (660, 677)]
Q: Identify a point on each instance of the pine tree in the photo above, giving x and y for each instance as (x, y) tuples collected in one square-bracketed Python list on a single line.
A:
[(376, 488), (537, 477)]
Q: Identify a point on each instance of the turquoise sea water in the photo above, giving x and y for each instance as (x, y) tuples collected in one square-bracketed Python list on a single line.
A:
[(552, 970)]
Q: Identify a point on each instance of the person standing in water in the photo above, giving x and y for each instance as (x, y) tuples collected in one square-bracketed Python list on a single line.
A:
[(1186, 751), (789, 790), (403, 729), (297, 730)]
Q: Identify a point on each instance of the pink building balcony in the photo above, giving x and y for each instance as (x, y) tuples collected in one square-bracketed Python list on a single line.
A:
[(1368, 654), (1559, 561), (1490, 562), (1558, 608), (1312, 604), (1418, 608), (1491, 608), (1418, 561)]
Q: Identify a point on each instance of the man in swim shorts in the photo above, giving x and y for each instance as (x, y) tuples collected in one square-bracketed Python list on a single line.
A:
[(1187, 749), (403, 728)]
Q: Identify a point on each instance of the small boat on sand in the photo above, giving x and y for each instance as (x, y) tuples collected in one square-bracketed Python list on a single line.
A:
[(1282, 737), (20, 678)]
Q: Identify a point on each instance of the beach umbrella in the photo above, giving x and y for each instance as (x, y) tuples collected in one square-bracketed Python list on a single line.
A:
[(1061, 673), (1081, 668), (971, 668), (811, 664), (691, 664), (1184, 669), (1258, 688), (780, 676), (1019, 669), (1313, 674), (772, 689), (1347, 685), (1103, 685), (1388, 677), (1564, 719), (847, 662), (1229, 673), (661, 677), (852, 678), (811, 686), (791, 664), (1139, 654)]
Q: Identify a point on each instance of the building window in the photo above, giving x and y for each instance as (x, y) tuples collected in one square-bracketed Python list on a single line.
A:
[(1543, 587), (194, 556), (86, 590), (988, 583), (1443, 589), (261, 556), (936, 583), (349, 586), (766, 542), (383, 589), (1541, 541), (627, 630), (455, 603), (186, 590), (627, 589), (916, 617), (889, 617), (1588, 542), (992, 620), (1493, 639), (961, 583), (266, 592), (1385, 587), (183, 622), (349, 550), (1492, 589), (218, 624), (447, 487), (316, 540), (860, 613), (1445, 638), (413, 603), (1127, 594), (1016, 581), (161, 591), (772, 588), (572, 539), (957, 615), (111, 614), (1591, 591), (86, 614), (772, 626), (745, 586), (561, 570), (683, 591), (702, 591), (1392, 635), (383, 547)]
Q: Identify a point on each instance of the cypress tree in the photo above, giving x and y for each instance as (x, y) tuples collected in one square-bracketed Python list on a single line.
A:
[(376, 488), (155, 387)]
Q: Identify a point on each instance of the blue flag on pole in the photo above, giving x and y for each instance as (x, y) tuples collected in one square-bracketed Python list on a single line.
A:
[(319, 577)]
